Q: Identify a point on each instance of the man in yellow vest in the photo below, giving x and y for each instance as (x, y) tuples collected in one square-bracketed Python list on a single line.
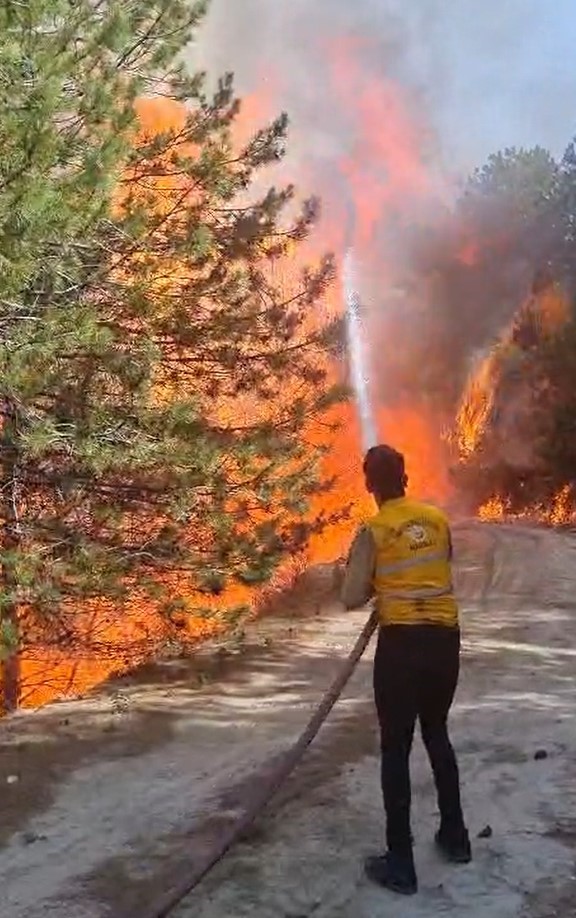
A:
[(402, 558)]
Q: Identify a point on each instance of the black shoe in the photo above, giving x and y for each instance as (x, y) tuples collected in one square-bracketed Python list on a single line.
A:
[(455, 848), (394, 872)]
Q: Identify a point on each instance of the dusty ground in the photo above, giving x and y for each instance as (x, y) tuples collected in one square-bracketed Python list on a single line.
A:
[(117, 794)]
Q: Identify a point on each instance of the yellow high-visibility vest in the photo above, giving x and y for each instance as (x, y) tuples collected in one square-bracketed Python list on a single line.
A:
[(413, 574)]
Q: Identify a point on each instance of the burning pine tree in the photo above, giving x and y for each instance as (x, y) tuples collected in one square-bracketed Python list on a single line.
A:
[(154, 381), (503, 422)]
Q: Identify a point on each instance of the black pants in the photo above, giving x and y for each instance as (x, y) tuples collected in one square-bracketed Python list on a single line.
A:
[(415, 676)]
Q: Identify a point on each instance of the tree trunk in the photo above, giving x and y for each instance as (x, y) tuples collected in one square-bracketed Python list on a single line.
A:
[(10, 676), (10, 684)]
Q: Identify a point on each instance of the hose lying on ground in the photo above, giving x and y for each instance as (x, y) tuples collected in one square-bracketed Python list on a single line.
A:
[(174, 896), (171, 898)]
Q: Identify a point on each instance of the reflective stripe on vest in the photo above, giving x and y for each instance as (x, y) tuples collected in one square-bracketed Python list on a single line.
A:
[(406, 564)]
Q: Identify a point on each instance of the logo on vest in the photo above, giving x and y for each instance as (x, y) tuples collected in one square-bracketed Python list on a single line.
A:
[(418, 536)]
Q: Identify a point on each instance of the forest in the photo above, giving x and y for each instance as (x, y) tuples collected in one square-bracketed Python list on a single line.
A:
[(172, 368)]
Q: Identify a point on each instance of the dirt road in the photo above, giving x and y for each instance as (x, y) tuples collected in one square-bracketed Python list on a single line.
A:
[(116, 794)]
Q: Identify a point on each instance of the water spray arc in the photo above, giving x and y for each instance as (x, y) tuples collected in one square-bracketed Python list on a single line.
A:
[(265, 789), (359, 366)]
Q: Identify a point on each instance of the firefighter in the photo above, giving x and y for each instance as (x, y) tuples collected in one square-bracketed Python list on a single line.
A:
[(402, 558)]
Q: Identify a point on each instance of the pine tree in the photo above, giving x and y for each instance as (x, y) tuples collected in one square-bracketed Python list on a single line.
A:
[(156, 385)]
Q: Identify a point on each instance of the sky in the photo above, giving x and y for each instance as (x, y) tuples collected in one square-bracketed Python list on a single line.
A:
[(486, 73)]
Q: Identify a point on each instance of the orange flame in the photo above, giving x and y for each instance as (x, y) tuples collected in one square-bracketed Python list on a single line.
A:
[(497, 419), (385, 167), (384, 170), (560, 512)]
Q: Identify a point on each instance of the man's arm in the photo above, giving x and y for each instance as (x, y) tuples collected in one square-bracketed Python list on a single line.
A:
[(358, 584)]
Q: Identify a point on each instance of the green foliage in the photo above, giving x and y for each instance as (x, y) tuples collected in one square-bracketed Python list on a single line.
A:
[(519, 180), (155, 376), (512, 231), (558, 451), (468, 272), (541, 204)]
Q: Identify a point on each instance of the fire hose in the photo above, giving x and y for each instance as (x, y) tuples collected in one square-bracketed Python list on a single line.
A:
[(174, 896)]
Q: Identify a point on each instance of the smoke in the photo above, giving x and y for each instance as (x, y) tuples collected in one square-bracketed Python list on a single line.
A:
[(392, 104), (487, 78)]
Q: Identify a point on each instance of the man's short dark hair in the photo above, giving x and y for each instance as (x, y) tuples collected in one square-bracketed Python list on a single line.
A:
[(385, 469)]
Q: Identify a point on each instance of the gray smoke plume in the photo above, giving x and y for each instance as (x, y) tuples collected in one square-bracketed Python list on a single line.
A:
[(491, 74), (476, 77)]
